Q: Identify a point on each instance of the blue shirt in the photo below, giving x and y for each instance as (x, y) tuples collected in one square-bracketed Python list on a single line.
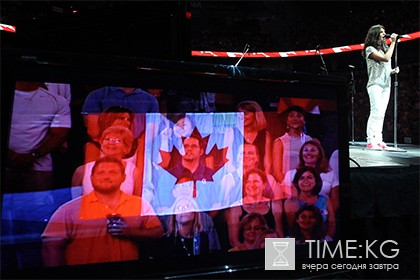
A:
[(202, 173), (138, 101), (321, 203)]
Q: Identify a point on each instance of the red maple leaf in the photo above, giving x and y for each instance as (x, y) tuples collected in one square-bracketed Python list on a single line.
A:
[(214, 160)]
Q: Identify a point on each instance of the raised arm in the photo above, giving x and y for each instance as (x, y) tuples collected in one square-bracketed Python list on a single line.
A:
[(387, 56)]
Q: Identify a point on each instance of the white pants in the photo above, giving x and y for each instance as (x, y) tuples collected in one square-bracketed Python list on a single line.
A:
[(379, 98)]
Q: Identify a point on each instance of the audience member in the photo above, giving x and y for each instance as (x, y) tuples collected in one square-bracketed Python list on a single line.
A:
[(98, 101), (308, 225), (312, 154), (78, 232), (248, 158), (113, 116), (40, 124), (251, 227), (189, 232), (116, 141), (308, 184), (286, 148), (254, 202), (255, 131), (191, 162), (63, 90)]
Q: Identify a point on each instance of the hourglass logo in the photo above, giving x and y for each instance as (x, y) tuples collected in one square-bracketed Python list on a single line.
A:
[(280, 254)]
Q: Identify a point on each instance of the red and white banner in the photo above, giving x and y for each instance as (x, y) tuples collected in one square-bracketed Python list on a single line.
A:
[(8, 28), (333, 50)]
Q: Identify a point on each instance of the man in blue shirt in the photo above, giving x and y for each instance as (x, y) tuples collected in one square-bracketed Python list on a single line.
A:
[(137, 100)]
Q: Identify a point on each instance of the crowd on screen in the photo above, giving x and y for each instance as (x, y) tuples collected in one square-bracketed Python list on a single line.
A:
[(287, 184), (270, 186)]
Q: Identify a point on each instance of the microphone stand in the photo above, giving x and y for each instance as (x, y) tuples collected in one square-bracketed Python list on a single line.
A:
[(246, 49), (234, 68), (395, 149), (324, 68), (353, 93)]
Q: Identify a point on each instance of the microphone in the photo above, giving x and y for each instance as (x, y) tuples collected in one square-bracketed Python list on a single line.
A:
[(398, 36)]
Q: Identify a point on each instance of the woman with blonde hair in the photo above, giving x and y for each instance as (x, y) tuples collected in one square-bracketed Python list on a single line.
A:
[(189, 232), (116, 141), (255, 131), (113, 116)]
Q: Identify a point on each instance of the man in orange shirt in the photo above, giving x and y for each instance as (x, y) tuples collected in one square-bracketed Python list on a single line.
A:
[(79, 232)]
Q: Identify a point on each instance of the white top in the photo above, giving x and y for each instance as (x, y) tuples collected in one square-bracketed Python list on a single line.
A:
[(34, 112), (329, 181), (60, 89), (379, 72), (334, 163), (291, 148), (127, 186)]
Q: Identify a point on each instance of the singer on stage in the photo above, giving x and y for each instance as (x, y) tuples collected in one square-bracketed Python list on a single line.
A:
[(378, 60)]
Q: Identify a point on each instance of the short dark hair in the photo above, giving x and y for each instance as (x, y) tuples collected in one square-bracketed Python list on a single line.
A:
[(311, 208), (318, 181), (296, 109), (108, 117), (201, 143), (260, 173), (317, 231), (108, 159)]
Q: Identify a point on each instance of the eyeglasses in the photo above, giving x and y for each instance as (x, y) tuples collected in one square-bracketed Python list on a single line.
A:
[(188, 146), (113, 140), (257, 228)]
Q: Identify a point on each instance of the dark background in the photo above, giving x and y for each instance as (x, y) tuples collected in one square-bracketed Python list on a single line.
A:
[(171, 29)]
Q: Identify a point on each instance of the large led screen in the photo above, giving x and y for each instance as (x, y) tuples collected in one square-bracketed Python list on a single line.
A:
[(111, 172)]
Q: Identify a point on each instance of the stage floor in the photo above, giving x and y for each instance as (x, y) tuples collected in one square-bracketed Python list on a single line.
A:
[(404, 155)]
